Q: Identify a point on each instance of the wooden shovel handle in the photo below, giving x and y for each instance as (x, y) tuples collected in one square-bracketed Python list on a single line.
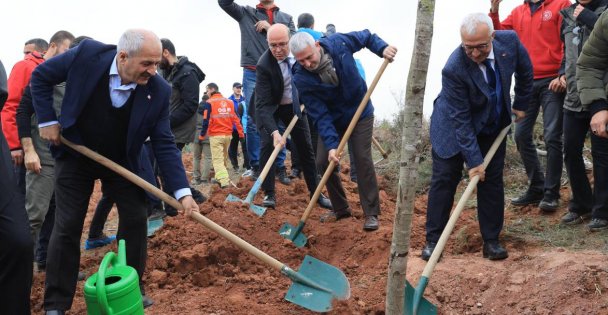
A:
[(349, 131), (428, 269), (278, 148), (174, 203), (379, 147)]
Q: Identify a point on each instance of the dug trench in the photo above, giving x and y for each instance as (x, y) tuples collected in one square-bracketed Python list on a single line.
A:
[(191, 270)]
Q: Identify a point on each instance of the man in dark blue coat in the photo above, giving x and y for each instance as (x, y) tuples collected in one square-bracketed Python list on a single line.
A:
[(473, 106), (331, 88), (16, 244), (113, 102)]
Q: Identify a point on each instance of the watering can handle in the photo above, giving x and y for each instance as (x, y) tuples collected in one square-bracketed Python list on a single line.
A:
[(102, 299)]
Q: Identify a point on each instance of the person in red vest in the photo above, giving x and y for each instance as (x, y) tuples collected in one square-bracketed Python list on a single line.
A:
[(220, 116)]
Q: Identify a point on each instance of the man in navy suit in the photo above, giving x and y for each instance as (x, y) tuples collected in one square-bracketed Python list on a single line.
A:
[(113, 102), (473, 106), (16, 244)]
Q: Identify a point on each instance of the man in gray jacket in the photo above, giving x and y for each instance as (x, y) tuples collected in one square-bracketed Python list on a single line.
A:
[(184, 77), (253, 23)]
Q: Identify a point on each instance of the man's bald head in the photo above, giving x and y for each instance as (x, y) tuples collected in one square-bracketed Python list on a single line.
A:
[(278, 41), (277, 30)]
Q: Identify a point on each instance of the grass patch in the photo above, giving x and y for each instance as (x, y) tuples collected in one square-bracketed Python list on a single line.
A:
[(542, 231)]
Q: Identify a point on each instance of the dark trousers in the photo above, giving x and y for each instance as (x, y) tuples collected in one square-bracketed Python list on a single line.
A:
[(20, 172), (490, 193), (367, 184), (233, 150), (599, 151), (104, 206), (45, 233), (552, 104), (576, 127), (16, 257), (300, 137), (74, 181)]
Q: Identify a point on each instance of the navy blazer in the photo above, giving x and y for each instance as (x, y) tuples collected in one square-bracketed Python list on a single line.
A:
[(269, 88), (82, 68), (462, 108)]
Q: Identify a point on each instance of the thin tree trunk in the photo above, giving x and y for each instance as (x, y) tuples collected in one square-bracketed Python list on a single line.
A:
[(408, 172)]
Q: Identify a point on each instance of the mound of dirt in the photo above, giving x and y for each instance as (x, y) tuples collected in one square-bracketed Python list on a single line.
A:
[(192, 270)]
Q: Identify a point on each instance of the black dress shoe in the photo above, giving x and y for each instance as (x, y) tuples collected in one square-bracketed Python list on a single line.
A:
[(146, 301), (282, 176), (573, 218), (269, 201), (549, 204), (332, 216), (324, 202), (428, 249), (197, 195), (55, 312), (371, 223), (528, 198), (494, 251)]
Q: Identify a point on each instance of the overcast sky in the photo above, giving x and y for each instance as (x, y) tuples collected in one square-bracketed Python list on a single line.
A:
[(211, 38)]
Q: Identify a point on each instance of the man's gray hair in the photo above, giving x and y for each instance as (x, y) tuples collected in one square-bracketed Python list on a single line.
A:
[(470, 22), (132, 41), (299, 41)]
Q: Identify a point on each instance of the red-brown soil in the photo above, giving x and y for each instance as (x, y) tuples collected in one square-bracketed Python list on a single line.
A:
[(191, 270)]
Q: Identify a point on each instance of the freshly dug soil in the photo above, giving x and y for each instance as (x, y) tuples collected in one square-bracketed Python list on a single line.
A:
[(192, 270)]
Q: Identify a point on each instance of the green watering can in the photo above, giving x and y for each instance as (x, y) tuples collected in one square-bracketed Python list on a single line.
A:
[(118, 293)]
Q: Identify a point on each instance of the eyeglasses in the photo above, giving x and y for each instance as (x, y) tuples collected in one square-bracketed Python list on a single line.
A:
[(280, 45), (481, 47)]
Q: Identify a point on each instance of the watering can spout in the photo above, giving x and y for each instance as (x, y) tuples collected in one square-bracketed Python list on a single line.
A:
[(122, 253)]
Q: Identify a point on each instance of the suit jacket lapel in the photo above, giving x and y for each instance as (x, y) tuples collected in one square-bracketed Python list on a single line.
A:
[(142, 102), (500, 55), (477, 76)]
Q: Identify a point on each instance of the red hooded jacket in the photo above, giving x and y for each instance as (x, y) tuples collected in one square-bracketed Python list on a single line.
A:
[(539, 33), (17, 81)]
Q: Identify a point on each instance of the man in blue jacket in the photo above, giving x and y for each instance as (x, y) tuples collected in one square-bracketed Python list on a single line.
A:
[(473, 106), (330, 85), (115, 86)]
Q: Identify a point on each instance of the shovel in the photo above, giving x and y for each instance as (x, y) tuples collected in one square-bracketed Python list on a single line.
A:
[(414, 302), (379, 147), (259, 210), (313, 287), (295, 234)]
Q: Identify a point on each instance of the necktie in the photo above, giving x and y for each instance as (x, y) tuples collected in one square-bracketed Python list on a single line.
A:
[(495, 90), (490, 74)]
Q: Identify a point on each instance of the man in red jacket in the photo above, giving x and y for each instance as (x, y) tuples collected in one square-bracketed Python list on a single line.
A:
[(537, 23), (17, 81)]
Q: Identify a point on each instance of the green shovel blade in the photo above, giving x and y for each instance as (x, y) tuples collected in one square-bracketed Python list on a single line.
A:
[(294, 234), (154, 225), (233, 198), (424, 306), (258, 210), (316, 284)]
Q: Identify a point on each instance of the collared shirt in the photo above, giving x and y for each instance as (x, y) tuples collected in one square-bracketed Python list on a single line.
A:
[(482, 67), (119, 93), (286, 65)]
